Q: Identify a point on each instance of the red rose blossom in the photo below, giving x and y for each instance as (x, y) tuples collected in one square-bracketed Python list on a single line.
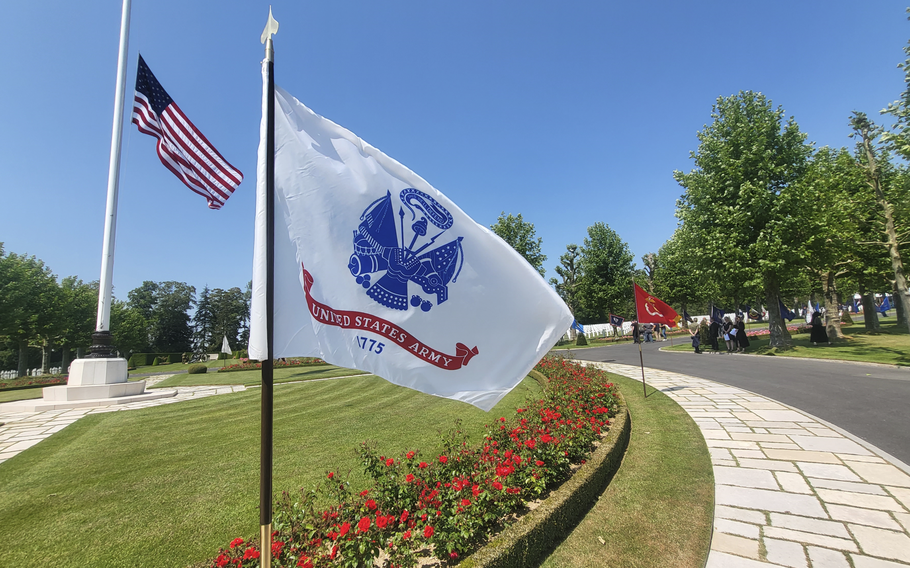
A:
[(363, 525), (331, 474), (344, 529), (428, 531), (443, 459), (236, 542), (371, 505)]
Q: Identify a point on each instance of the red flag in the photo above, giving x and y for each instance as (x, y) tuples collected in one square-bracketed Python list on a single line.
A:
[(650, 309)]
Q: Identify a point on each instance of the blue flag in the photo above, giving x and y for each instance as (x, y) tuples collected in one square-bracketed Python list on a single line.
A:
[(687, 317), (784, 312), (855, 307), (717, 314), (578, 326), (886, 305), (616, 320)]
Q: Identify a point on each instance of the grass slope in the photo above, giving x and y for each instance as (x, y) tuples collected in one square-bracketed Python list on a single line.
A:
[(254, 377), (658, 510), (166, 486)]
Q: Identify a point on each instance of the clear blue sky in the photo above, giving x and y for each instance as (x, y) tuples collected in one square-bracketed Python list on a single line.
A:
[(566, 112)]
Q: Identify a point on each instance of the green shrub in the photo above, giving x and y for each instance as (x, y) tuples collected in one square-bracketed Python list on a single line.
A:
[(581, 339), (155, 362), (197, 369), (846, 319)]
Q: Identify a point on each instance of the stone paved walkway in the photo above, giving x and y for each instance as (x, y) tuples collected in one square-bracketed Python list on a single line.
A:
[(22, 430), (791, 490)]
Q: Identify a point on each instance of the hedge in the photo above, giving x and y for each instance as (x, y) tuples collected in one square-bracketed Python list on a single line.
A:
[(145, 359)]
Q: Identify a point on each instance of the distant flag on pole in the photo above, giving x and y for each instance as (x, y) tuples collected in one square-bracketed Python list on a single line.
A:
[(809, 311), (651, 309), (785, 313), (616, 320), (578, 326), (181, 147), (225, 346), (717, 314), (377, 270), (855, 306)]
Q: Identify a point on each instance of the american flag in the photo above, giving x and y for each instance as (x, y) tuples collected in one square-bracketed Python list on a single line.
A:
[(181, 147)]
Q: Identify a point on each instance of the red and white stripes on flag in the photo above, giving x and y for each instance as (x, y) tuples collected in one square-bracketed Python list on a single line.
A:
[(181, 147)]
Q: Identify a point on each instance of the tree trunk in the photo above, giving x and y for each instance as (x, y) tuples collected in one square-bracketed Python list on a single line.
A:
[(65, 362), (899, 306), (45, 357), (780, 337), (23, 358), (870, 315), (832, 307)]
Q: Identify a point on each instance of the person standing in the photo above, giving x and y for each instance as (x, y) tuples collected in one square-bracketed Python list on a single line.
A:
[(729, 334), (636, 332), (818, 334), (696, 340), (741, 339), (713, 333)]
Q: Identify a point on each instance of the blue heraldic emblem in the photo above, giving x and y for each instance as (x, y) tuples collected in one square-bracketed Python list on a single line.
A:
[(380, 244)]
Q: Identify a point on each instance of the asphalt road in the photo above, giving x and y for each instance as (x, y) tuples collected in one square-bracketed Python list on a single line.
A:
[(868, 401)]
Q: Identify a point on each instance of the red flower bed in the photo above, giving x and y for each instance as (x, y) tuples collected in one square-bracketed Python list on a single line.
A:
[(25, 382), (450, 502), (801, 328)]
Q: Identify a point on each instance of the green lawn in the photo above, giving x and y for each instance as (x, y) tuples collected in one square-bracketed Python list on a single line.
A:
[(166, 486), (255, 377), (659, 509), (21, 394), (891, 346), (176, 367)]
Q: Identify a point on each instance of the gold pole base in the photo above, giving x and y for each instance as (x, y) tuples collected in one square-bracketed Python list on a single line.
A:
[(265, 540)]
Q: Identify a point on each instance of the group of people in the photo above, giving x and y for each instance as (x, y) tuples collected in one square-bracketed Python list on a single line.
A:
[(732, 333), (651, 332)]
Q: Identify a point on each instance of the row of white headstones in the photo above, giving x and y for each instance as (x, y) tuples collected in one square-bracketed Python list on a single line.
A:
[(6, 375)]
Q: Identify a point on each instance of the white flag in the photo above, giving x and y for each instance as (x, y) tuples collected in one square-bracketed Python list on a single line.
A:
[(377, 270), (226, 347)]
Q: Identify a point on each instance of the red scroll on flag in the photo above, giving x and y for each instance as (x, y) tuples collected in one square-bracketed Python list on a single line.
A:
[(654, 310)]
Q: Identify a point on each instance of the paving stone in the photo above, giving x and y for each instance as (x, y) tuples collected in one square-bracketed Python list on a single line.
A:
[(793, 482), (745, 515), (825, 558), (869, 459), (738, 545), (785, 553), (805, 524), (779, 415), (763, 424), (839, 472), (715, 435), (838, 445), (811, 538), (768, 464), (847, 486), (763, 405), (787, 431), (903, 519), (759, 437), (777, 446), (728, 463), (862, 516), (864, 500), (723, 560), (765, 500), (802, 456), (866, 562), (823, 431), (883, 543), (720, 453), (885, 474), (748, 454), (737, 528), (742, 477)]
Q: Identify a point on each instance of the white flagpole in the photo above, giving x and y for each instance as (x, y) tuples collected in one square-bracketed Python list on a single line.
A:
[(105, 288)]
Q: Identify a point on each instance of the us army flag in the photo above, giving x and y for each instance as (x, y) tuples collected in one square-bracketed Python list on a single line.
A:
[(377, 270)]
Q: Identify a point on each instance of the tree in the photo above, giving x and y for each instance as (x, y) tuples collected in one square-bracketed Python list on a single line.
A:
[(203, 322), (605, 284), (568, 271), (520, 235), (228, 312), (649, 261), (674, 279), (79, 308), (29, 295), (165, 307), (129, 329), (732, 206), (886, 195)]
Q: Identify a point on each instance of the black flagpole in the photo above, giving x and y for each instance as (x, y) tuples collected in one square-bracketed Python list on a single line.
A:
[(641, 358), (266, 419)]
